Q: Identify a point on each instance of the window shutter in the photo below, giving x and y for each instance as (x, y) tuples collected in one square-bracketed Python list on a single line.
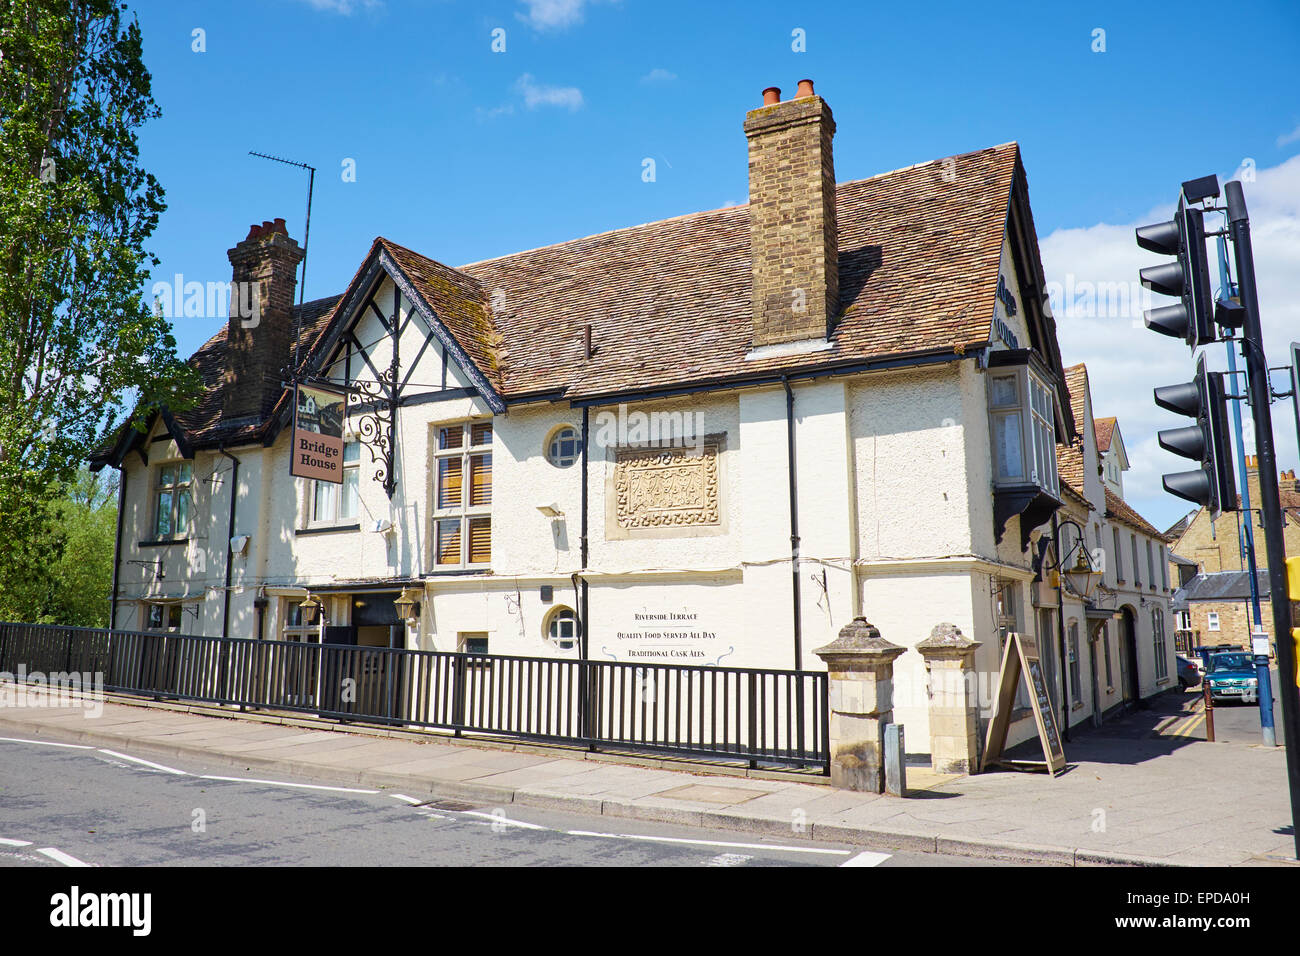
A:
[(480, 480), (480, 540), (449, 541), (449, 482)]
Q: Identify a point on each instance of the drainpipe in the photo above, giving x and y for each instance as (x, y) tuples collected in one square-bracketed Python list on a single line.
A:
[(582, 544), (230, 533), (794, 524), (1060, 631), (587, 712), (117, 547)]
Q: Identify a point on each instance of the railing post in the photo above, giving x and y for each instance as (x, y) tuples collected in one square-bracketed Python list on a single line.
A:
[(458, 695), (954, 711), (753, 719), (861, 670)]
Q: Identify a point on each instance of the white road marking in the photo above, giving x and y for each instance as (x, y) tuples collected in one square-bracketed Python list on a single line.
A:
[(45, 743), (734, 846), (60, 857), (285, 783), (867, 858), (5, 842), (729, 859), (497, 818), (404, 798), (143, 762)]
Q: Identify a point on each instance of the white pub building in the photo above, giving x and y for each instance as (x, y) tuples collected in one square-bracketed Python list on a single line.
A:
[(714, 439)]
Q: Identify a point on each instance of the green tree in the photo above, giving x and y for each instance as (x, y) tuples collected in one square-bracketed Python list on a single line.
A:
[(80, 352)]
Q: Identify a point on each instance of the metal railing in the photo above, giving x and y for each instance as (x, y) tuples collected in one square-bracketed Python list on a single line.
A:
[(733, 713)]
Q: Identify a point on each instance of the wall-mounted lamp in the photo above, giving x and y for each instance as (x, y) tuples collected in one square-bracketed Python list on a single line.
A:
[(551, 511), (408, 605), (309, 607)]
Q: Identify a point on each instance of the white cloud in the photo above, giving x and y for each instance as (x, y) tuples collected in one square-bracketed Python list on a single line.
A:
[(659, 75), (553, 14), (1100, 323), (1290, 137), (538, 94), (343, 7)]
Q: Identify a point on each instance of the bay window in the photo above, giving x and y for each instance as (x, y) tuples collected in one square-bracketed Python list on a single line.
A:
[(1023, 414), (1022, 428)]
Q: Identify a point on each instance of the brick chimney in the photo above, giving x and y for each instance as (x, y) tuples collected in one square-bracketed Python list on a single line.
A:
[(793, 233), (260, 333)]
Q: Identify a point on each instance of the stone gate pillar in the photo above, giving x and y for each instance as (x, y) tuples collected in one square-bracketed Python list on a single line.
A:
[(861, 666), (954, 705)]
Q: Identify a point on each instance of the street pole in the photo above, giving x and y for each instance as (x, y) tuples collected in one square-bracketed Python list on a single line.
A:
[(1270, 506), (1245, 533)]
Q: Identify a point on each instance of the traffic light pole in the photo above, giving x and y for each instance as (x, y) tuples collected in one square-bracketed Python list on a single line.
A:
[(1270, 505), (1245, 533)]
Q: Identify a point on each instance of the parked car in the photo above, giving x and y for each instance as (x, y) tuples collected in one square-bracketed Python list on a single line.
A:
[(1202, 653), (1232, 677), (1189, 672)]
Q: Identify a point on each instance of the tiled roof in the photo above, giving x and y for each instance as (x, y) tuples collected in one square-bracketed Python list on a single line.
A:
[(203, 423), (669, 302), (1104, 428), (1224, 586), (1119, 510), (1069, 458)]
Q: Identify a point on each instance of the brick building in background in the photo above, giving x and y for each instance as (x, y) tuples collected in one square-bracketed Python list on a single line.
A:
[(1213, 606)]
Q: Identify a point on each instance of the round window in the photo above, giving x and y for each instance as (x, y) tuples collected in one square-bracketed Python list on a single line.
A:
[(562, 628), (563, 447)]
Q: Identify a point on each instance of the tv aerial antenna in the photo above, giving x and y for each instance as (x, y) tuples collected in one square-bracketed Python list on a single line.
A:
[(306, 239)]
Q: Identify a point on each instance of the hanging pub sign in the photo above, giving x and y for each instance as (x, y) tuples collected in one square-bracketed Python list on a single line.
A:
[(318, 433), (1020, 658)]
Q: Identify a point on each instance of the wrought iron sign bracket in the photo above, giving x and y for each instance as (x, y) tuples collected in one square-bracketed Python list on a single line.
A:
[(372, 406)]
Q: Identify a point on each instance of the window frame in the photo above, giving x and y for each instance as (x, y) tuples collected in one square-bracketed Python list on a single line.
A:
[(175, 491), (1159, 643), (1212, 621), (465, 514), (1072, 649), (166, 609), (351, 469), (553, 616), (563, 461)]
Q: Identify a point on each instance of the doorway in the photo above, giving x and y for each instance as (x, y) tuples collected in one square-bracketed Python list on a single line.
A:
[(1128, 659)]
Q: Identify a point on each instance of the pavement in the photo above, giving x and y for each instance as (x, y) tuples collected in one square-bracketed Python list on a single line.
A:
[(1139, 791)]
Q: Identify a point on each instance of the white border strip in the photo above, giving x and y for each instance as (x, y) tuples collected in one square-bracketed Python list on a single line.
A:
[(143, 762), (59, 856), (45, 743), (285, 783), (740, 846)]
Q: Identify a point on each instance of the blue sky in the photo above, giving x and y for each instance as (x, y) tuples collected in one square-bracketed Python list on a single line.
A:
[(464, 153)]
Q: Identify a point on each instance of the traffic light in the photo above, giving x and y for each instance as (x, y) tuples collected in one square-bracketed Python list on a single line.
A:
[(1207, 442), (1187, 278)]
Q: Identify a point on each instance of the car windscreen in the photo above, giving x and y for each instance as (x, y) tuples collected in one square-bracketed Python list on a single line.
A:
[(1230, 662)]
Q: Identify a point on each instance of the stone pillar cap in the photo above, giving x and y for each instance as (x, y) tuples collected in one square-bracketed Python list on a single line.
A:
[(860, 639), (947, 637)]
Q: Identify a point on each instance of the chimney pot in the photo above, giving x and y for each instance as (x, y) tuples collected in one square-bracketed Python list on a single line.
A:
[(805, 89), (280, 226), (772, 96)]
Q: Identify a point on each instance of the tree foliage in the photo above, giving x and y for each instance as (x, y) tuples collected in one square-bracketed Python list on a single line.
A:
[(80, 351)]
